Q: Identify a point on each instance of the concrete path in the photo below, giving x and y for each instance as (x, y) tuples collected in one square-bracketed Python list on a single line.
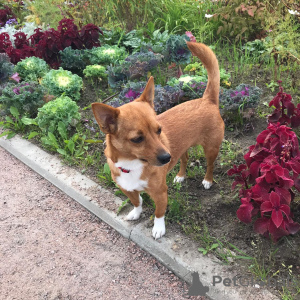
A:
[(52, 248)]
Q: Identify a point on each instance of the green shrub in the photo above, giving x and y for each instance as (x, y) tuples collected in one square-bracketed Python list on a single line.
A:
[(95, 71), (26, 97), (62, 81), (73, 60), (31, 68), (105, 55), (62, 109), (240, 19)]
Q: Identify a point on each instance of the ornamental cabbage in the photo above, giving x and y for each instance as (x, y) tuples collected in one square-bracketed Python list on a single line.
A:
[(95, 71), (62, 81), (26, 97), (62, 109), (106, 54), (32, 68)]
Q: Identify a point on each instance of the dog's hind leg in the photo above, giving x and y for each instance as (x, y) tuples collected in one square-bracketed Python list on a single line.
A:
[(211, 155), (137, 202), (183, 164)]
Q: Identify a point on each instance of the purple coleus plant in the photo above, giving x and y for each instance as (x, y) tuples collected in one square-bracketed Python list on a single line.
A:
[(268, 181)]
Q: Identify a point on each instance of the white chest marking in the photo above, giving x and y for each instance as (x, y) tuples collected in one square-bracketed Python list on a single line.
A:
[(131, 181)]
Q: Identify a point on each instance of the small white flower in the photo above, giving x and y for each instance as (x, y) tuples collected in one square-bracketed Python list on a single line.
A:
[(294, 12), (208, 16)]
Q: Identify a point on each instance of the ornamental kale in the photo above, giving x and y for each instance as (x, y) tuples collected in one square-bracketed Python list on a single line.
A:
[(32, 68), (177, 50), (6, 68), (268, 181), (73, 60), (192, 86), (164, 98), (244, 96), (95, 71), (62, 81), (106, 55), (62, 109), (135, 66), (27, 97)]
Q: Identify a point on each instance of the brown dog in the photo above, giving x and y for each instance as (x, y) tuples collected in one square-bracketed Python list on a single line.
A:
[(142, 147)]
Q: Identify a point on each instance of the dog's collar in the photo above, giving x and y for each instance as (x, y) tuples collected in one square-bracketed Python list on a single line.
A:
[(124, 170)]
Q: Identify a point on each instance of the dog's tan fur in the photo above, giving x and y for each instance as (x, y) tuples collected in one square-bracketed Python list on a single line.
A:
[(196, 122)]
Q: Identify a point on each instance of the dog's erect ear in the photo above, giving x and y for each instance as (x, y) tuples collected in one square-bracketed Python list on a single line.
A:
[(106, 116), (148, 93)]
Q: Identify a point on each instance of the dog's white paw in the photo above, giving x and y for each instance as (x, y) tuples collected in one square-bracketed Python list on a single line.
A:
[(178, 179), (206, 184), (136, 212), (159, 228)]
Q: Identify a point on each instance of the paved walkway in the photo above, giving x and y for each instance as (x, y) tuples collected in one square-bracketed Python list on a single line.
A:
[(52, 248)]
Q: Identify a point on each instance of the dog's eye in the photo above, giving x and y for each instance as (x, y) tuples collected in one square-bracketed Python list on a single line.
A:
[(137, 140), (159, 130)]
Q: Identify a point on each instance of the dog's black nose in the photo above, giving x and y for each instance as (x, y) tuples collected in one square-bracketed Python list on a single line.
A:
[(164, 158)]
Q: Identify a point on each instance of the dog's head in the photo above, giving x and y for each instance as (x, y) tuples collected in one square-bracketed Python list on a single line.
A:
[(133, 129)]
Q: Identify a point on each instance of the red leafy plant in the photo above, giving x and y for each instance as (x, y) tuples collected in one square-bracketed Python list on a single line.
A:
[(5, 15), (47, 44), (268, 181), (285, 111)]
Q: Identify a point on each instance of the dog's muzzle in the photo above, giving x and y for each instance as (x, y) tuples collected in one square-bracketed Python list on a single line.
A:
[(164, 158)]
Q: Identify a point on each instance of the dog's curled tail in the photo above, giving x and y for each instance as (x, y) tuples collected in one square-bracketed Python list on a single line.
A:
[(210, 61)]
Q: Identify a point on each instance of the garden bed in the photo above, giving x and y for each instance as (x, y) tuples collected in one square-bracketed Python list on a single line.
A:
[(63, 70)]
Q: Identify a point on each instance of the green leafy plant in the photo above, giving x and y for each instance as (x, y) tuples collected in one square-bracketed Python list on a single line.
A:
[(95, 71), (13, 123), (155, 39), (73, 146), (208, 248), (62, 109), (61, 81), (32, 68), (106, 55), (73, 60), (256, 50), (26, 97)]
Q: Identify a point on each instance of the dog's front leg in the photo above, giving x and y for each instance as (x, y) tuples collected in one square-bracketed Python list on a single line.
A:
[(160, 198), (137, 202)]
